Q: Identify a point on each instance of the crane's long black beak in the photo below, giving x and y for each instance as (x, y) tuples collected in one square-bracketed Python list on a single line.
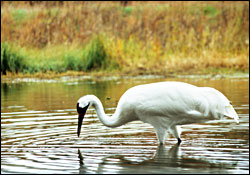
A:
[(81, 113)]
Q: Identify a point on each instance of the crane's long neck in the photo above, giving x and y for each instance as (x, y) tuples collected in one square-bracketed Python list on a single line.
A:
[(114, 121)]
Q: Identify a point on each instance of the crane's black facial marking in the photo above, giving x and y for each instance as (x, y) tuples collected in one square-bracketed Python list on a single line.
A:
[(81, 112)]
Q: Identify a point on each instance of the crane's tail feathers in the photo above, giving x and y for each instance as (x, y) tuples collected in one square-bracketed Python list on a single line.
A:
[(230, 112)]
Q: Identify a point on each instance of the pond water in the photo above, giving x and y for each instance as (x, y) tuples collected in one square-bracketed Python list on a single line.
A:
[(39, 124)]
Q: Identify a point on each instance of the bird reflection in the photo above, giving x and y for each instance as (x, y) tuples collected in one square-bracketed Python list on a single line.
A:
[(82, 168), (163, 161)]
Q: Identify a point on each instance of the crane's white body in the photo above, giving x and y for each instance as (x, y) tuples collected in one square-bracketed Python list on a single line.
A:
[(165, 105)]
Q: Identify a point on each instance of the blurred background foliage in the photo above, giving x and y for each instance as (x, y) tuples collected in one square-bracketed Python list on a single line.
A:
[(124, 36)]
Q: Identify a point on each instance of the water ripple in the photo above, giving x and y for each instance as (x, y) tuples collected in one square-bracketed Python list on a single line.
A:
[(45, 141)]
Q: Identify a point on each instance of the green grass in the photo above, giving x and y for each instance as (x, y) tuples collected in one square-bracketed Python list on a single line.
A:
[(210, 11), (11, 60), (19, 14), (93, 56)]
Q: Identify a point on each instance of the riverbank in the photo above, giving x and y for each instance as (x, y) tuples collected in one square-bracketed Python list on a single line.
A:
[(74, 77)]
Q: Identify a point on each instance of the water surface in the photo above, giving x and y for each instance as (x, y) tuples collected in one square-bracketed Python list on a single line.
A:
[(39, 123)]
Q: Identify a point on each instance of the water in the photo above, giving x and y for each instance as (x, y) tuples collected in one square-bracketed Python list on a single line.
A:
[(39, 123)]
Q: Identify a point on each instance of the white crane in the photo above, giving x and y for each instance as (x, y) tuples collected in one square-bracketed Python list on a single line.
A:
[(164, 105)]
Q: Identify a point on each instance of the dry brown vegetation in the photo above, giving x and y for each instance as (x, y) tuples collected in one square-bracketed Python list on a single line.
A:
[(150, 37)]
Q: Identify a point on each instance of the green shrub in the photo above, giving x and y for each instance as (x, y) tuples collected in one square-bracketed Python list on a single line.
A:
[(19, 14), (210, 11), (127, 10), (95, 55), (11, 60)]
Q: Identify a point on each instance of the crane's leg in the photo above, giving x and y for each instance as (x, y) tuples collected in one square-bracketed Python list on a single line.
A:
[(160, 132), (176, 131)]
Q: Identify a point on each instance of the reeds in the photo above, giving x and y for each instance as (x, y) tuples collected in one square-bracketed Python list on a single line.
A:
[(11, 60), (149, 37), (93, 56)]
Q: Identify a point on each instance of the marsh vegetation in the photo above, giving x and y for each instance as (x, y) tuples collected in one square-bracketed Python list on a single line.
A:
[(137, 37)]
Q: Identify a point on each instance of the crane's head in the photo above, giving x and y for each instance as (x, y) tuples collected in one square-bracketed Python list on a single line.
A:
[(82, 105)]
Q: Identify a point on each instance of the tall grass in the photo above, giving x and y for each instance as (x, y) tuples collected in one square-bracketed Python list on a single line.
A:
[(93, 56), (11, 60), (144, 36), (96, 55)]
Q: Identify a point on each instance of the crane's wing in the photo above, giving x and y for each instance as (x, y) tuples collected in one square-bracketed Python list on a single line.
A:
[(169, 99), (177, 101)]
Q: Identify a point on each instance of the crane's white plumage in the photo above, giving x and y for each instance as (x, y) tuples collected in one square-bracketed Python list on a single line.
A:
[(164, 105)]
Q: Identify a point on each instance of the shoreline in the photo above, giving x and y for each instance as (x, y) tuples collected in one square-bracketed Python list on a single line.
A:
[(72, 76)]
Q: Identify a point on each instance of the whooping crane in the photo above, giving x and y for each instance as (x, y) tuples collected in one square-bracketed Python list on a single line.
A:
[(164, 105)]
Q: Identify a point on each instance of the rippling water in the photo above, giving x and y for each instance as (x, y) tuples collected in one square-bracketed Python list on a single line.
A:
[(39, 122)]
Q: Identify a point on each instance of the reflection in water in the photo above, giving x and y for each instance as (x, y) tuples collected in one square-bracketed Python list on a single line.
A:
[(39, 123), (164, 161)]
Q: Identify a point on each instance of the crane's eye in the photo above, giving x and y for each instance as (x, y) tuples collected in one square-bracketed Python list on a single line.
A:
[(230, 102)]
